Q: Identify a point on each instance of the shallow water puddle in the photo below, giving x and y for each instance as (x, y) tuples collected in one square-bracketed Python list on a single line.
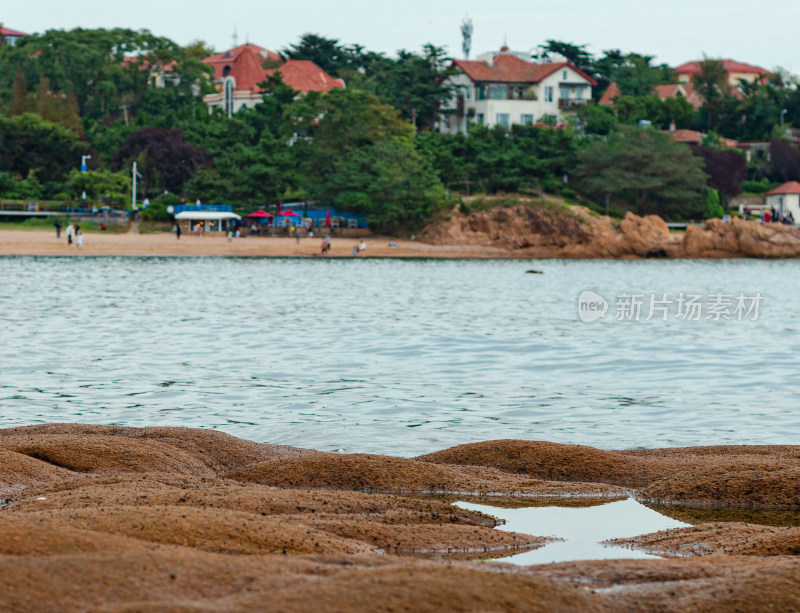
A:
[(582, 528)]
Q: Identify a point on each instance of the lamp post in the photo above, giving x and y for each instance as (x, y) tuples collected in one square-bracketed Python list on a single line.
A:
[(783, 112), (84, 167)]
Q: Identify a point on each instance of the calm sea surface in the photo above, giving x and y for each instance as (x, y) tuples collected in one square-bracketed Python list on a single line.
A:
[(398, 357)]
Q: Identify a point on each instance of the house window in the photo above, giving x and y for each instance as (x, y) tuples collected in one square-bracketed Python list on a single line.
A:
[(520, 93), (503, 119), (480, 118), (227, 96), (564, 76), (526, 120), (468, 93), (564, 93), (480, 93), (548, 94), (498, 92), (579, 93)]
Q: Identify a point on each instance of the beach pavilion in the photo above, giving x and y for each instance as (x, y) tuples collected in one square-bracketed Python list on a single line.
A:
[(209, 221)]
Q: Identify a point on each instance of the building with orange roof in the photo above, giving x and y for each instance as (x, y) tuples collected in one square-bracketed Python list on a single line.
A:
[(12, 37), (675, 90), (239, 73), (737, 71), (785, 199), (504, 89)]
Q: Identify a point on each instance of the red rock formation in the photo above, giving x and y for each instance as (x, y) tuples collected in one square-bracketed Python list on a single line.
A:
[(576, 232)]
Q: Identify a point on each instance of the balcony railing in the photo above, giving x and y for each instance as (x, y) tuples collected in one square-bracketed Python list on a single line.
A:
[(565, 103)]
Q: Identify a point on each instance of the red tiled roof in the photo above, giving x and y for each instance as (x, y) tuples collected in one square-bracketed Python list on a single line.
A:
[(511, 69), (301, 75), (10, 32), (612, 92), (692, 68), (247, 71), (218, 61), (305, 76), (792, 187), (685, 90), (690, 137), (145, 64), (673, 90)]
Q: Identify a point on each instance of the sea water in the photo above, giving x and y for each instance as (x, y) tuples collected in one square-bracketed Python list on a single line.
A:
[(402, 356)]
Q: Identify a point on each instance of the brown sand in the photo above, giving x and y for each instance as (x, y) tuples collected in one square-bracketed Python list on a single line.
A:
[(167, 519), (36, 242)]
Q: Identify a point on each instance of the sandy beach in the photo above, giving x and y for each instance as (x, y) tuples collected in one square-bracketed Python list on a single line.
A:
[(37, 242), (107, 518)]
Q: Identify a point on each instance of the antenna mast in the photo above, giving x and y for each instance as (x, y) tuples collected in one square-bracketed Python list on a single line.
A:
[(466, 36)]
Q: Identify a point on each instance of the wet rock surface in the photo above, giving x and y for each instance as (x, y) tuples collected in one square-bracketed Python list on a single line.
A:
[(167, 519)]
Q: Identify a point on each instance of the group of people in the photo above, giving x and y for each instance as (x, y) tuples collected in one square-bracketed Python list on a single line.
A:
[(774, 216), (73, 233)]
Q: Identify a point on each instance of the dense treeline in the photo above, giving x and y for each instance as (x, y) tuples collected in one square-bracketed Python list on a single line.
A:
[(370, 148)]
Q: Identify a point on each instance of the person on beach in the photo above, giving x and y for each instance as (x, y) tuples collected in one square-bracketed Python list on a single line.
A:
[(230, 235), (77, 229), (79, 240), (70, 234), (327, 243), (355, 249), (362, 247), (324, 247), (178, 231), (58, 228)]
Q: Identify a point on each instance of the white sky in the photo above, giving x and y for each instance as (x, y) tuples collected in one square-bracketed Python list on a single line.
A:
[(757, 32)]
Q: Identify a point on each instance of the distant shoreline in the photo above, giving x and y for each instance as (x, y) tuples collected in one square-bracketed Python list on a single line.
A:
[(101, 244), (44, 243)]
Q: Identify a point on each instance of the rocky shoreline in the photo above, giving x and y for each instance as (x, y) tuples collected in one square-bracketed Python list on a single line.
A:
[(557, 231), (107, 518)]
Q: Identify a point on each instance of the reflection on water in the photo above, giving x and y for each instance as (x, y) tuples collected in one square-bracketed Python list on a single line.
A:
[(583, 529), (397, 357)]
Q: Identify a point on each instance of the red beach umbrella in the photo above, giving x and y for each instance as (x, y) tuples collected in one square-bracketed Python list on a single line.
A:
[(260, 213), (288, 214)]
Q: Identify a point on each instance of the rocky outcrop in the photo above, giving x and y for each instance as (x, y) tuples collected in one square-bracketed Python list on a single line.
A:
[(741, 238), (554, 230)]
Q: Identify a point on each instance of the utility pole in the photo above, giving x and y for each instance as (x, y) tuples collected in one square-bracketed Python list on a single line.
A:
[(134, 174)]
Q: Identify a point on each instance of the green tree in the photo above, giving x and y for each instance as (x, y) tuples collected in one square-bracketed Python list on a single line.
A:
[(415, 84), (388, 182), (198, 49), (100, 185), (576, 54), (711, 82), (326, 53), (30, 143), (19, 93), (28, 189), (713, 208), (104, 68), (645, 167)]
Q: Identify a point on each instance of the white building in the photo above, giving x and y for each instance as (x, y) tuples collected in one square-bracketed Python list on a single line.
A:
[(786, 199), (507, 90)]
